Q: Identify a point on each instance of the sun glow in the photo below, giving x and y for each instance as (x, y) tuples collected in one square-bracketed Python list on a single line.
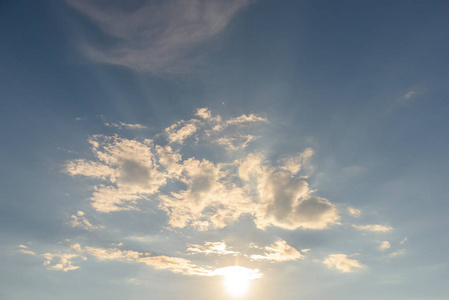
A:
[(237, 279)]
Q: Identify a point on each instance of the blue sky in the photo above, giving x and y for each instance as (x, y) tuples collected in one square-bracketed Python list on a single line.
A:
[(162, 149)]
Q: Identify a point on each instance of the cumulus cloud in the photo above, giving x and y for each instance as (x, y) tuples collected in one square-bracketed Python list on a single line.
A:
[(219, 248), (280, 251), (159, 262), (342, 263), (373, 227), (162, 37)]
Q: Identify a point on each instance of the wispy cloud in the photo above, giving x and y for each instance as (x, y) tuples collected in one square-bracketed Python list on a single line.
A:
[(123, 125), (219, 248), (354, 212), (162, 37), (280, 251), (342, 263), (26, 250), (80, 221), (374, 227)]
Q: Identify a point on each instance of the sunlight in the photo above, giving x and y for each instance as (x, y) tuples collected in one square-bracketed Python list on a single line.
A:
[(237, 279)]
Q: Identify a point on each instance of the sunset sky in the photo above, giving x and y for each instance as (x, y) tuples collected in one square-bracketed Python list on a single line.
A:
[(224, 149)]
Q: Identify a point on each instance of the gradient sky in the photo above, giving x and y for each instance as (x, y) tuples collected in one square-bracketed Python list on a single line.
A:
[(159, 149)]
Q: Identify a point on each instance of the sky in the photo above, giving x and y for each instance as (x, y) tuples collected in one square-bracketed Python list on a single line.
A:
[(224, 149)]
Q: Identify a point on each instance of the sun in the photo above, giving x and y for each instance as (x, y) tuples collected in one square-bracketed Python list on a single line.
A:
[(237, 279)]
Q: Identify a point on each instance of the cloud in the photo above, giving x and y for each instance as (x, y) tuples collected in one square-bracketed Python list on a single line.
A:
[(354, 212), (80, 221), (409, 95), (397, 253), (60, 261), (204, 194), (122, 125), (403, 241), (238, 142), (219, 248), (280, 251), (127, 165), (384, 245), (342, 263), (178, 133), (26, 250), (162, 37), (374, 228), (159, 262)]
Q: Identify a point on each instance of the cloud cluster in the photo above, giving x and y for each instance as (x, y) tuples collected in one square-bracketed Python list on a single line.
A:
[(162, 37), (207, 194)]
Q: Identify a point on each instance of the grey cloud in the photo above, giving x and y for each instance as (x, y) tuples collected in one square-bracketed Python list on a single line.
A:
[(162, 37)]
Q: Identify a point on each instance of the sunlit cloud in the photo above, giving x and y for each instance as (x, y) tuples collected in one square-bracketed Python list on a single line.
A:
[(219, 248), (80, 221), (165, 37), (342, 263), (354, 212), (396, 253), (123, 125), (60, 261), (280, 251), (24, 249), (373, 227), (384, 245)]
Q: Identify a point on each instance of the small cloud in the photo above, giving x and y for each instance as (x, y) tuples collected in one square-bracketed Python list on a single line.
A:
[(24, 249), (178, 133), (403, 241), (280, 251), (409, 95), (397, 253), (354, 212), (342, 263), (80, 221), (374, 227), (123, 125), (384, 245), (211, 248)]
